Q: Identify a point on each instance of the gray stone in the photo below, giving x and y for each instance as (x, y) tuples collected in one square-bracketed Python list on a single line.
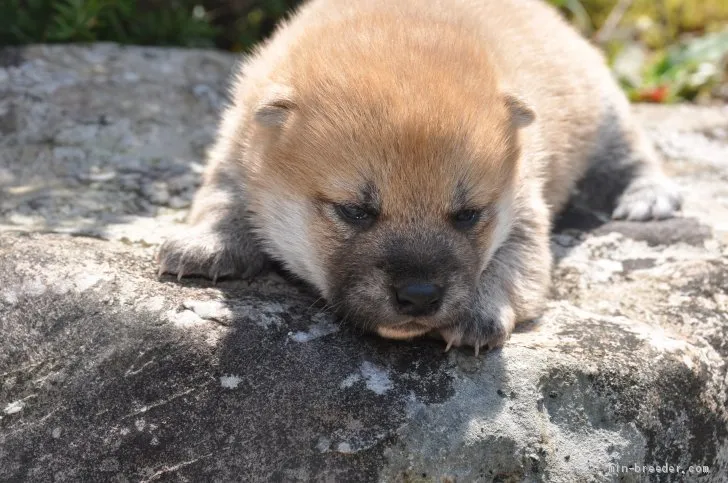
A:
[(109, 373)]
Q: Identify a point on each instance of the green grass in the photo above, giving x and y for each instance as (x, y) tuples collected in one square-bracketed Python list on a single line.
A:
[(228, 24), (681, 45), (125, 21)]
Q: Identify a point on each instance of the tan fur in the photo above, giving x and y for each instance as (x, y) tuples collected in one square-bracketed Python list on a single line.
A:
[(421, 100)]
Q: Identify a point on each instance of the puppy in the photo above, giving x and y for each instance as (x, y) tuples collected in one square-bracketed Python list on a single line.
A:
[(406, 159)]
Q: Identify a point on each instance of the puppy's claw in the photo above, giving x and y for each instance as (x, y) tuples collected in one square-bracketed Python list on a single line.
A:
[(449, 345), (477, 349)]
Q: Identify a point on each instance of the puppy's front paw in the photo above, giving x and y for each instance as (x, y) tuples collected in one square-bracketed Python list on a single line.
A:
[(489, 327), (203, 252), (649, 197)]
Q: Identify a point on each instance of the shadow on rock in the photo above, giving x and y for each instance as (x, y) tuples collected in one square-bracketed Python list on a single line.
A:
[(279, 392), (313, 396), (340, 397)]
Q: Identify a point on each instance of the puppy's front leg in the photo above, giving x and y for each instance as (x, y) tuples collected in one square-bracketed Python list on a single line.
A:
[(219, 241), (512, 288)]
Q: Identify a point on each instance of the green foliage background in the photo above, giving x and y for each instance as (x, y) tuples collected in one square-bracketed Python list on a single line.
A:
[(672, 66)]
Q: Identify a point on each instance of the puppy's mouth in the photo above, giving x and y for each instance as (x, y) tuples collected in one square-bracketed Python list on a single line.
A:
[(405, 330)]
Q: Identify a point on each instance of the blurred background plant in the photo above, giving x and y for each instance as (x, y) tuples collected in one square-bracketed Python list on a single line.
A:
[(660, 50)]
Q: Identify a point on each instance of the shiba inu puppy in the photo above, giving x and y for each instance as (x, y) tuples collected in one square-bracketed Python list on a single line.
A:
[(406, 159)]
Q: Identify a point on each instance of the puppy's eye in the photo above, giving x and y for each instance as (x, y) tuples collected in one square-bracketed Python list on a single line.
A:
[(465, 219), (354, 215)]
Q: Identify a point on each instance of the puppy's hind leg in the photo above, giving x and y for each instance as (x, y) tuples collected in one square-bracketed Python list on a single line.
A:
[(649, 193), (624, 175)]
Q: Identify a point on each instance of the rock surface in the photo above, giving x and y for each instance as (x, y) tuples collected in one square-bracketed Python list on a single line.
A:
[(108, 373)]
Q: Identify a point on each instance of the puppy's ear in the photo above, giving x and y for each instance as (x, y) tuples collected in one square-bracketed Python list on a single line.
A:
[(521, 113), (275, 107)]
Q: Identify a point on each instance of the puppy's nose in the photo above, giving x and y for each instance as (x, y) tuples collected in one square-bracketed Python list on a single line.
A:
[(418, 298)]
